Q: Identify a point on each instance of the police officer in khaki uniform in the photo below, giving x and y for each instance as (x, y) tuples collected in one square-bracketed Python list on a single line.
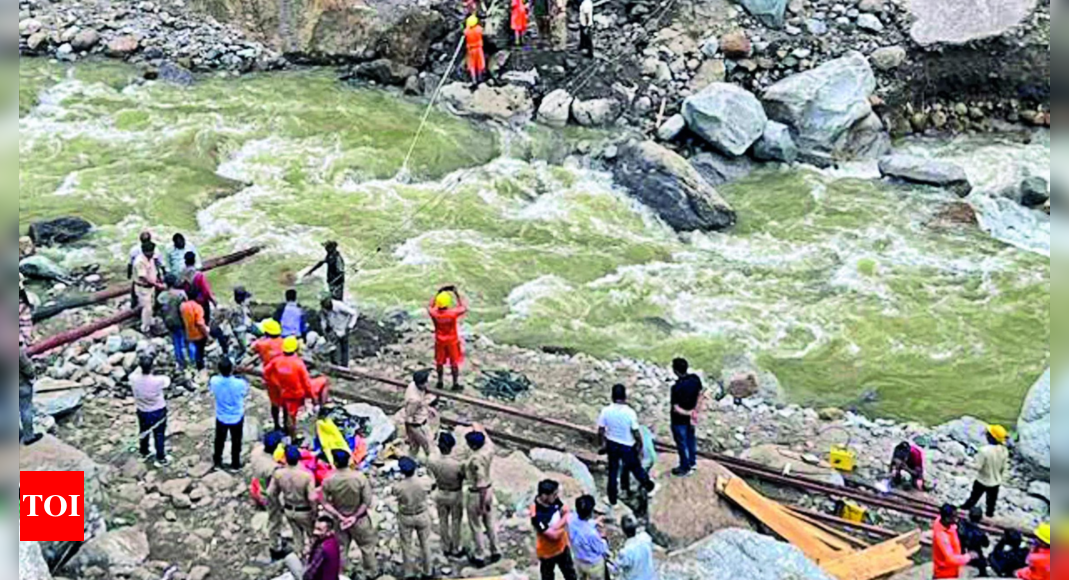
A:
[(292, 492), (348, 497), (481, 497), (418, 414), (448, 473), (414, 518), (263, 466)]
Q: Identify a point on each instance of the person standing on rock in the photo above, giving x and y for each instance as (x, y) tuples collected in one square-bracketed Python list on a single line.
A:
[(348, 497), (473, 40), (230, 393), (146, 284), (196, 285), (480, 505), (418, 413), (992, 469), (559, 17), (519, 20), (27, 377), (335, 270), (550, 516), (338, 319), (588, 542), (620, 435), (448, 473), (541, 14), (586, 27), (291, 316), (135, 252), (176, 258), (148, 390), (413, 519), (635, 560), (241, 325), (197, 331), (946, 545), (296, 386), (686, 408), (291, 496), (170, 302), (446, 310), (269, 348), (323, 560)]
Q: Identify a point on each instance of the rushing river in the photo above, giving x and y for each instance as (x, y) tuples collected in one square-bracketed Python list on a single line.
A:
[(850, 291)]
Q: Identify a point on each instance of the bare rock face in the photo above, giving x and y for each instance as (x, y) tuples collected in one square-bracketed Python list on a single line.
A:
[(32, 565), (507, 103), (1034, 426), (688, 509), (739, 554), (960, 21), (119, 551)]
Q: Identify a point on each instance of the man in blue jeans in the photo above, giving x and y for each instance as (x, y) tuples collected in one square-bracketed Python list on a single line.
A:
[(620, 435), (230, 393), (686, 405), (170, 302)]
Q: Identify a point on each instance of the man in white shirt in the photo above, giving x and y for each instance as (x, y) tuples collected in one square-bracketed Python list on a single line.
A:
[(586, 27), (338, 319), (621, 436), (635, 560)]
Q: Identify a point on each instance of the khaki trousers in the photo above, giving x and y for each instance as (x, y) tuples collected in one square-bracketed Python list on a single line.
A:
[(481, 520), (420, 527), (419, 439), (591, 572), (302, 524), (367, 539), (450, 517)]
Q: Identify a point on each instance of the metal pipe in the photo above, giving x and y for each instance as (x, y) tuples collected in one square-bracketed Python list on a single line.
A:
[(65, 338)]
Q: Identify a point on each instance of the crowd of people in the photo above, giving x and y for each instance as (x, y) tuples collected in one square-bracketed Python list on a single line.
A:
[(317, 486)]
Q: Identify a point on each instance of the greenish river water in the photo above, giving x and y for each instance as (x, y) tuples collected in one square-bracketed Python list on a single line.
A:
[(839, 285)]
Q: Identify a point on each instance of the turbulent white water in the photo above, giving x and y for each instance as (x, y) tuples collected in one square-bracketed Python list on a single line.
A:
[(839, 284)]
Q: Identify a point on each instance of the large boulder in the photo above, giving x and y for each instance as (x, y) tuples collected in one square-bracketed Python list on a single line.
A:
[(927, 171), (58, 232), (769, 12), (384, 71), (687, 509), (595, 112), (507, 103), (779, 458), (1033, 427), (737, 554), (119, 552), (58, 403), (556, 108), (516, 479), (32, 565), (555, 461), (729, 117), (824, 106), (961, 21), (969, 431), (666, 183), (719, 170), (776, 144)]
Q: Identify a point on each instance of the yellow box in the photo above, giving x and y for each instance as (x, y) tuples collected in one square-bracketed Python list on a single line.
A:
[(843, 458), (853, 512)]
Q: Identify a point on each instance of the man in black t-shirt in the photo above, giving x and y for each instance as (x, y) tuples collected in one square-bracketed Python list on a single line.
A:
[(686, 405)]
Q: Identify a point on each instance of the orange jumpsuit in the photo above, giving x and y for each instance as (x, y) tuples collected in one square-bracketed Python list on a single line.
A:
[(946, 551), (269, 349), (519, 16), (1038, 565), (295, 384), (447, 346), (476, 57)]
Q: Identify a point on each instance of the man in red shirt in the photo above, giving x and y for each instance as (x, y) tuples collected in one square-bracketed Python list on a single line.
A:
[(447, 345), (295, 384)]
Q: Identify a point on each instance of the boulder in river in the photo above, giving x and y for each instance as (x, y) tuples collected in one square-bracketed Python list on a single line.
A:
[(58, 232), (556, 108), (770, 12), (1033, 427), (719, 169), (727, 116), (384, 71), (666, 183), (926, 172), (961, 21), (595, 112), (176, 75), (737, 554), (1035, 191), (507, 103), (776, 144), (824, 106)]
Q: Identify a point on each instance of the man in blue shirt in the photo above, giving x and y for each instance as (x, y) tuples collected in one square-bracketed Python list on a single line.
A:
[(589, 548), (635, 560), (291, 316), (230, 393)]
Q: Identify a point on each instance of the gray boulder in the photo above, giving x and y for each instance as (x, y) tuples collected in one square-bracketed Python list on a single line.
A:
[(39, 267), (119, 552), (59, 403), (719, 170), (1035, 191), (384, 71), (727, 116), (85, 40), (507, 103), (668, 185), (556, 108), (734, 554), (176, 75), (595, 112), (926, 172), (961, 21), (969, 431), (1033, 427), (888, 57), (671, 128), (557, 462), (769, 12), (776, 144), (824, 106), (32, 565)]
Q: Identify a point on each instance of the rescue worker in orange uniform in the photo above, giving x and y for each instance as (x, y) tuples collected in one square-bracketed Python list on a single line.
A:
[(473, 38), (1039, 560), (447, 346), (946, 545), (519, 20), (268, 349), (295, 385)]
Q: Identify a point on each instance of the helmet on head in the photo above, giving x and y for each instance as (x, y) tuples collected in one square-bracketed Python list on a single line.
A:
[(290, 345), (1043, 533), (444, 300), (473, 21), (271, 328), (998, 432)]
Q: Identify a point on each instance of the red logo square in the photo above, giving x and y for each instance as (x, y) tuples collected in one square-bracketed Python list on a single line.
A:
[(51, 506)]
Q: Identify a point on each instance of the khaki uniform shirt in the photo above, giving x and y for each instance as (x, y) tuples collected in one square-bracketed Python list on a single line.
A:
[(992, 464), (145, 268), (293, 486), (448, 472), (477, 470), (262, 465), (347, 491), (417, 409), (412, 494)]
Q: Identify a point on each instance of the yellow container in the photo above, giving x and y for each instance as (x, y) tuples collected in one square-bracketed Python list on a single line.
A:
[(853, 512), (843, 458)]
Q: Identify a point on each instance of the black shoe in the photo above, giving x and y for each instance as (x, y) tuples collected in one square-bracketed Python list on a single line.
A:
[(458, 388), (236, 467), (427, 577), (477, 563), (36, 437), (680, 472), (495, 558)]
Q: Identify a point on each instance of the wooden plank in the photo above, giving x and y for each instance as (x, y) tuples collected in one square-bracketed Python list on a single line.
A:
[(802, 535), (878, 561)]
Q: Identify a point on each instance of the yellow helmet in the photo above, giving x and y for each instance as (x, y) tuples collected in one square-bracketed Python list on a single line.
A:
[(1043, 533), (998, 432), (290, 345), (473, 21), (444, 300), (271, 328)]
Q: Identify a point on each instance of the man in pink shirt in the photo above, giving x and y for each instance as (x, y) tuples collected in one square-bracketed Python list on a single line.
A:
[(151, 410)]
